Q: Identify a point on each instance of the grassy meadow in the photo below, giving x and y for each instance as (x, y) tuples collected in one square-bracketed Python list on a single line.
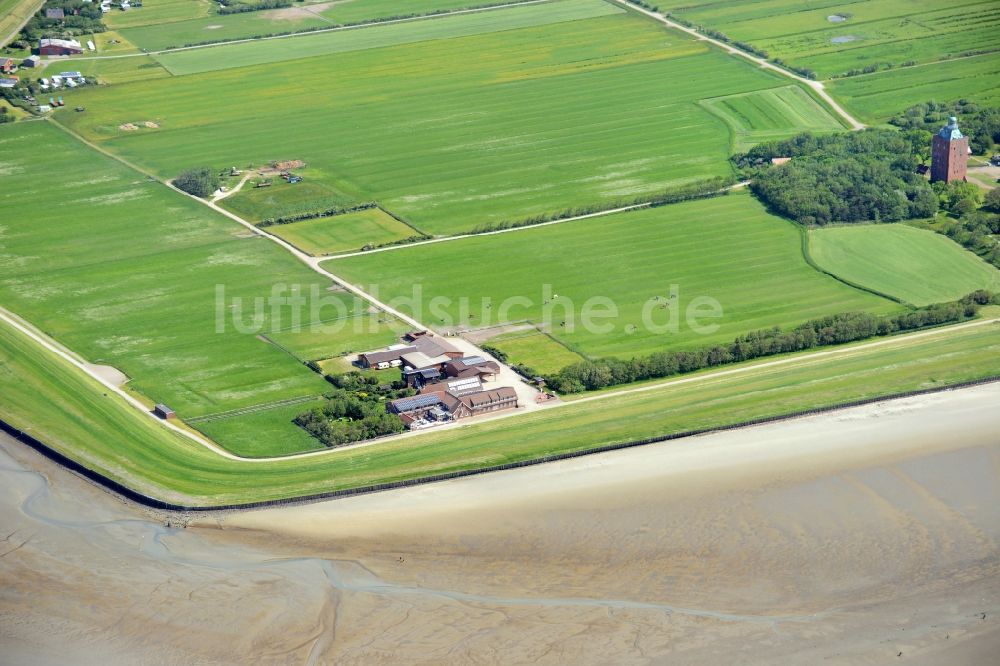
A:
[(727, 248), (319, 191), (217, 28), (801, 32), (769, 115), (915, 265), (104, 433), (454, 133), (126, 272), (535, 350), (299, 17), (158, 12), (381, 36), (343, 233), (877, 97), (341, 337)]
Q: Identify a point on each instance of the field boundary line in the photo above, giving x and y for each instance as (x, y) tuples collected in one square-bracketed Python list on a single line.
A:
[(252, 409), (816, 86)]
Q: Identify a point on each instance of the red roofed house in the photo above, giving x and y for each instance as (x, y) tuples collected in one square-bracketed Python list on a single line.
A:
[(7, 65)]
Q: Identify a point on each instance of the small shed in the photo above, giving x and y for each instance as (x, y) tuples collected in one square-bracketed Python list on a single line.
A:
[(31, 61), (164, 412)]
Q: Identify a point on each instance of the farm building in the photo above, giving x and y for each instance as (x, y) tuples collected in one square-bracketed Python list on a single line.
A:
[(164, 412), (31, 61), (55, 13), (8, 82), (419, 377), (59, 47), (432, 349), (435, 407), (472, 366), (455, 386), (72, 76), (949, 153), (389, 358), (7, 65)]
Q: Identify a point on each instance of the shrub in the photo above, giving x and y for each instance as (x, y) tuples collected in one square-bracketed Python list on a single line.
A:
[(201, 181)]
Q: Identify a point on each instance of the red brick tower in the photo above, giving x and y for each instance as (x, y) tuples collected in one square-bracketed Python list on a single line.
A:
[(949, 153)]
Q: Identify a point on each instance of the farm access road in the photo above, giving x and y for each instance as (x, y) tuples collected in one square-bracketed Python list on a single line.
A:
[(816, 86)]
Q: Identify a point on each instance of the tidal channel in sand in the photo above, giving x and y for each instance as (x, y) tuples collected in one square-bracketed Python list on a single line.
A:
[(868, 535)]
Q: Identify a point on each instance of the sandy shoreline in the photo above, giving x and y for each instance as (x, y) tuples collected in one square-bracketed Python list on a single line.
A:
[(848, 537)]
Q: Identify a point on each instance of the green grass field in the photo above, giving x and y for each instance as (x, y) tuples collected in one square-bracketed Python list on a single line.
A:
[(216, 28), (367, 10), (265, 433), (876, 31), (343, 233), (122, 70), (455, 133), (727, 248), (767, 115), (877, 97), (535, 350), (126, 272), (915, 265), (396, 34), (299, 17), (319, 191), (158, 12), (350, 335), (105, 434)]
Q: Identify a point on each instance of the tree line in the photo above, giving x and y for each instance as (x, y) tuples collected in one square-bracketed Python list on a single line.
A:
[(702, 189), (844, 177), (836, 329)]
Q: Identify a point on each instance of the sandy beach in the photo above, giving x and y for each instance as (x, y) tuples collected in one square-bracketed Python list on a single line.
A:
[(865, 536)]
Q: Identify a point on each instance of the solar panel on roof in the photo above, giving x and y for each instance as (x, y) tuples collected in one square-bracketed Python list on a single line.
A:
[(473, 360), (416, 402)]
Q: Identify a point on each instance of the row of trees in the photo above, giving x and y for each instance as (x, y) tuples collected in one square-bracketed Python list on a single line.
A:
[(241, 7), (836, 329), (847, 177), (980, 123), (702, 189), (354, 411)]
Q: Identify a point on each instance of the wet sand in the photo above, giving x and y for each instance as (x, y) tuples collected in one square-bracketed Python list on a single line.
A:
[(865, 536)]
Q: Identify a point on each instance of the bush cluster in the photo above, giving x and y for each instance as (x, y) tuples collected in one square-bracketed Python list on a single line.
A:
[(201, 181), (354, 411), (835, 329), (241, 7)]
